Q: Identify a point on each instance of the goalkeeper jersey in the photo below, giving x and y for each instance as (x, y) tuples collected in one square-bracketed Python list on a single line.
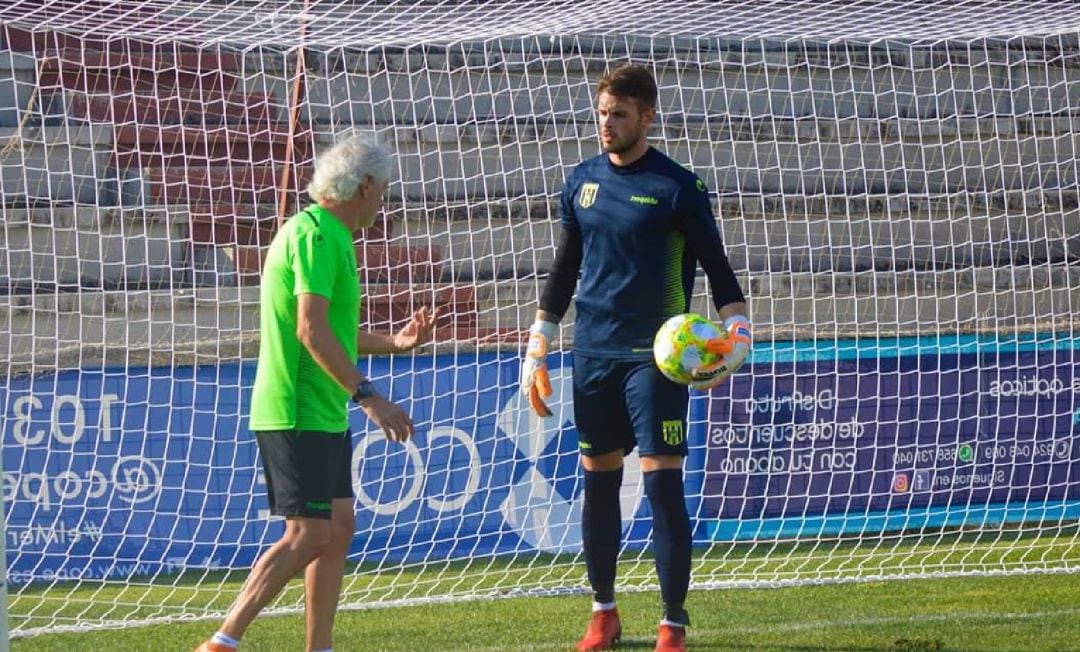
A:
[(312, 253), (643, 230)]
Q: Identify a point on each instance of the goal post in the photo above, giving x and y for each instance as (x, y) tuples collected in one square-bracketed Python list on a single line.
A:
[(895, 182)]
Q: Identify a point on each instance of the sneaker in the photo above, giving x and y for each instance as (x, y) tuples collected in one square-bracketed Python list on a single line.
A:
[(210, 646), (603, 633), (670, 638)]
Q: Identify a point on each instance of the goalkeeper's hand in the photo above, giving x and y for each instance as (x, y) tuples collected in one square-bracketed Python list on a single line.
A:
[(736, 344), (535, 381)]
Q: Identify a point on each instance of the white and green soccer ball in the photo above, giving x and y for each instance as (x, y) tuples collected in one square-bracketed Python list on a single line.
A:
[(680, 346)]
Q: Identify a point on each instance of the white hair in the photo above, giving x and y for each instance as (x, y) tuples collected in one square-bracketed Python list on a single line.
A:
[(340, 171)]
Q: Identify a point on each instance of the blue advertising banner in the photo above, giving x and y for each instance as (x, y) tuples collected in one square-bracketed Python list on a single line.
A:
[(133, 471), (848, 440), (120, 472)]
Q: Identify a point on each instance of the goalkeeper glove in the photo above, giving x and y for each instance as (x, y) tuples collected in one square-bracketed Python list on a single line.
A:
[(535, 381), (735, 345)]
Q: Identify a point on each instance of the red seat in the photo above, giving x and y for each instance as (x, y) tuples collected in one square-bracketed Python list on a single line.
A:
[(171, 105), (382, 262), (219, 184), (183, 146)]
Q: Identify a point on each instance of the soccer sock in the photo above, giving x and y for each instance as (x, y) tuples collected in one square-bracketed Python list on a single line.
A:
[(601, 531), (671, 540), (225, 640)]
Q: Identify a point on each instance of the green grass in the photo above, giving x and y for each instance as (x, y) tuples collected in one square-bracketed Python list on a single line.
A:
[(1039, 612), (1012, 612)]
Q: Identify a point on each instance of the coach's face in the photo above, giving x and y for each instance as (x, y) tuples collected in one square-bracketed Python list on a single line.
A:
[(368, 201), (623, 125)]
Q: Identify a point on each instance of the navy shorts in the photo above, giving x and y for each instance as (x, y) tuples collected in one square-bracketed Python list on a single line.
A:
[(305, 470), (620, 404)]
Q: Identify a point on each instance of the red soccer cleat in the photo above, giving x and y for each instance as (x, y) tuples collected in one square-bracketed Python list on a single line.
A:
[(210, 646), (670, 639), (603, 633)]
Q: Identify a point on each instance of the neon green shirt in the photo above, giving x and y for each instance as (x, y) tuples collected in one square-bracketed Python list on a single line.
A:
[(312, 253)]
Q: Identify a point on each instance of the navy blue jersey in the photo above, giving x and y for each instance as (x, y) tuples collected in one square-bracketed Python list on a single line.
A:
[(642, 230)]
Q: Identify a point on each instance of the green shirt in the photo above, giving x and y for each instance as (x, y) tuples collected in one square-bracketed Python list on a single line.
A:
[(312, 253)]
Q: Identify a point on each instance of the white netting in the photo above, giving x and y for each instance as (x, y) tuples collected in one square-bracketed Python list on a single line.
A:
[(896, 184)]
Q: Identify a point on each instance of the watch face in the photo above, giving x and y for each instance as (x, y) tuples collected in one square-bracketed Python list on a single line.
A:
[(364, 390)]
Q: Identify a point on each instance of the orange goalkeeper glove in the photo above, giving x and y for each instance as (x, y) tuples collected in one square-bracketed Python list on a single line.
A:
[(734, 345), (535, 381)]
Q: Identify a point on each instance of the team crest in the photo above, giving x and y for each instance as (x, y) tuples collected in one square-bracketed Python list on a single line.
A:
[(672, 432), (588, 194)]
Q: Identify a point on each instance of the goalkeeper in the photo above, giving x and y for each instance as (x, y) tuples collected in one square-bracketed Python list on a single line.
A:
[(310, 338), (635, 224)]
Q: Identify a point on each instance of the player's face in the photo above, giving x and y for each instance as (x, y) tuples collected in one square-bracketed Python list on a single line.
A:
[(369, 201), (623, 125)]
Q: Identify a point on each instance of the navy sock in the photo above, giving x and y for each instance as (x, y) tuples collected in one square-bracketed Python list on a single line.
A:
[(601, 530), (671, 539)]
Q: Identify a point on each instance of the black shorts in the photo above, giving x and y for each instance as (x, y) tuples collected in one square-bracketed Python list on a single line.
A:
[(305, 470), (627, 404)]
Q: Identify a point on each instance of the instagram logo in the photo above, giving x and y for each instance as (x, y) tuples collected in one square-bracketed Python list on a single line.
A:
[(900, 483)]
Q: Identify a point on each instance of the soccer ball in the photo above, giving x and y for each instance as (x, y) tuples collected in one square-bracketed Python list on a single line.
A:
[(680, 346)]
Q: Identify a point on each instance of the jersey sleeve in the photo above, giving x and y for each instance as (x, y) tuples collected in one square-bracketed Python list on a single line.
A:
[(698, 224), (567, 216), (314, 264), (562, 280)]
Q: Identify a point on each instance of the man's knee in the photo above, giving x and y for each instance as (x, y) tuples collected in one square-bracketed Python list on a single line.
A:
[(342, 524), (651, 463), (309, 537), (605, 462)]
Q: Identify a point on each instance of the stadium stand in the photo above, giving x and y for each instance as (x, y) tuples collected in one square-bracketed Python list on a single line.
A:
[(871, 202)]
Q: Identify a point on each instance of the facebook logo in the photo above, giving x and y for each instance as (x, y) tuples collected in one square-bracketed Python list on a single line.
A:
[(920, 481)]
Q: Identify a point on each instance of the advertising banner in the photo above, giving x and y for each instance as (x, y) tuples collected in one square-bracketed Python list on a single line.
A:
[(122, 472), (855, 439), (113, 473)]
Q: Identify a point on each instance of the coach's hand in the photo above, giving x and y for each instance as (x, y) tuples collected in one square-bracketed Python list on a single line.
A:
[(736, 346), (535, 382), (418, 331), (395, 424)]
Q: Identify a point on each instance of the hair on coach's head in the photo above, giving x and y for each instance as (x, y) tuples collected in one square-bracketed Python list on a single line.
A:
[(630, 82), (341, 170)]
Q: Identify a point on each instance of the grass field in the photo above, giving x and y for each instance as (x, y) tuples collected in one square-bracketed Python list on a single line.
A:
[(1039, 611)]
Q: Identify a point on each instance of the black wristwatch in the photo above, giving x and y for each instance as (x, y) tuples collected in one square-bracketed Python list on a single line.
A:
[(366, 389)]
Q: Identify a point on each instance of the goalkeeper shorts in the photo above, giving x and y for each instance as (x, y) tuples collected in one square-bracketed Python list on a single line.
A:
[(305, 470), (627, 404)]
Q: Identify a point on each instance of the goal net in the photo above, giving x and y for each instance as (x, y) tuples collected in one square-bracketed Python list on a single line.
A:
[(896, 184)]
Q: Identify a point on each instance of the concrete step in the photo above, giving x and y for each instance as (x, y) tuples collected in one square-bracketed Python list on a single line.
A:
[(37, 326), (57, 164), (223, 244), (378, 261), (80, 164), (918, 237), (213, 323), (508, 77), (18, 86), (91, 248), (558, 85), (470, 171)]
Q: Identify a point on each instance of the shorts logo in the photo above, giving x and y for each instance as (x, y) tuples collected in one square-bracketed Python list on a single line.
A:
[(672, 432), (588, 194)]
